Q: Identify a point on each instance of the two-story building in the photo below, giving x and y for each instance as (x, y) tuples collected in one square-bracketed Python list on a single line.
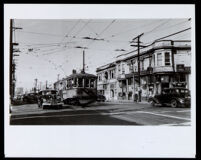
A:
[(107, 82), (163, 64)]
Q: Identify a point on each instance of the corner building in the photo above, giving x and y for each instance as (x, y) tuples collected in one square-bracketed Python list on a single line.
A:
[(163, 64)]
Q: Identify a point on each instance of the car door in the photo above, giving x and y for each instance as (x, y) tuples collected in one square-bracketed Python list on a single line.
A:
[(162, 96)]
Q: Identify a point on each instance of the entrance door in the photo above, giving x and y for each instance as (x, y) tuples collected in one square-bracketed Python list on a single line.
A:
[(112, 93)]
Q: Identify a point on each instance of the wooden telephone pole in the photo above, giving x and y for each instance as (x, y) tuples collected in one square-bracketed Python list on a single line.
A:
[(83, 61), (138, 51), (12, 63)]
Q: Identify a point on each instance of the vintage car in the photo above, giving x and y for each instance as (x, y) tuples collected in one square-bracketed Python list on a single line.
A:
[(30, 98), (174, 97), (18, 100), (49, 99), (101, 98)]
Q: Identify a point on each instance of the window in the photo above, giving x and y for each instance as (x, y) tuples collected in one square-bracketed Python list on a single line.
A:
[(86, 82), (130, 81), (131, 67), (80, 81), (92, 81), (153, 59), (123, 69), (112, 74), (182, 78), (142, 64), (105, 86), (167, 58), (106, 75), (159, 59), (119, 68), (75, 82)]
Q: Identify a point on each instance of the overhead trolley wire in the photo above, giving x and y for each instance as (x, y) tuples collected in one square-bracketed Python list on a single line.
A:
[(158, 40)]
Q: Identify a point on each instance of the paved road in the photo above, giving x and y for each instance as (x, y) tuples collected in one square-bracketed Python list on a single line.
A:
[(101, 114)]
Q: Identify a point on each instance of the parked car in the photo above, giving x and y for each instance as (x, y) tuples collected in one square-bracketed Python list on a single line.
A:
[(174, 97), (30, 98), (49, 99), (18, 100), (101, 98)]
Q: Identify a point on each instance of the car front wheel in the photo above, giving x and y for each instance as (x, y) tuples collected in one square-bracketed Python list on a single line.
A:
[(173, 103)]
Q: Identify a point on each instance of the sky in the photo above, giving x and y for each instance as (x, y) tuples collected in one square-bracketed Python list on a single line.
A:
[(53, 48)]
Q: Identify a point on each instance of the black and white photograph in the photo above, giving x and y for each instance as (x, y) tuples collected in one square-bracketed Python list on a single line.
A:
[(101, 72)]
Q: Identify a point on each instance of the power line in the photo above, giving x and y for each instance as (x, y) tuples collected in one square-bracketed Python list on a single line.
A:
[(71, 30), (148, 32), (157, 40), (173, 34), (103, 31), (42, 34)]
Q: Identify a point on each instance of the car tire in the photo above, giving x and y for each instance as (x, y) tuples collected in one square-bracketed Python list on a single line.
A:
[(43, 107), (173, 103), (153, 103)]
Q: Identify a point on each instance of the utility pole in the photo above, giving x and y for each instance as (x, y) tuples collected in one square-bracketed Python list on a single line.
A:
[(83, 61), (46, 85), (40, 85), (35, 85), (138, 50), (12, 63)]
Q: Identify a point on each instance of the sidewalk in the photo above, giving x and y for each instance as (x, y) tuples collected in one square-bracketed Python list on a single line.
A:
[(126, 102)]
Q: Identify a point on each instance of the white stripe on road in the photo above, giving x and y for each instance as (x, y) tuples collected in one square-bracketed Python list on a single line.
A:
[(164, 115)]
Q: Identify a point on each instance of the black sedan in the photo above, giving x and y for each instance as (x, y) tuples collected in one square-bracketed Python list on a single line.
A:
[(174, 97)]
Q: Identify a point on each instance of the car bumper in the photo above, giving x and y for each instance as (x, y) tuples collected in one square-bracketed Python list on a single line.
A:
[(184, 105)]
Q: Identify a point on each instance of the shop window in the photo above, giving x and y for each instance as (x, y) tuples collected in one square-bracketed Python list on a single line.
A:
[(167, 58), (159, 59)]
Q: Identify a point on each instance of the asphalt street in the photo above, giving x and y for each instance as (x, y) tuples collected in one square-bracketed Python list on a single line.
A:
[(101, 114)]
